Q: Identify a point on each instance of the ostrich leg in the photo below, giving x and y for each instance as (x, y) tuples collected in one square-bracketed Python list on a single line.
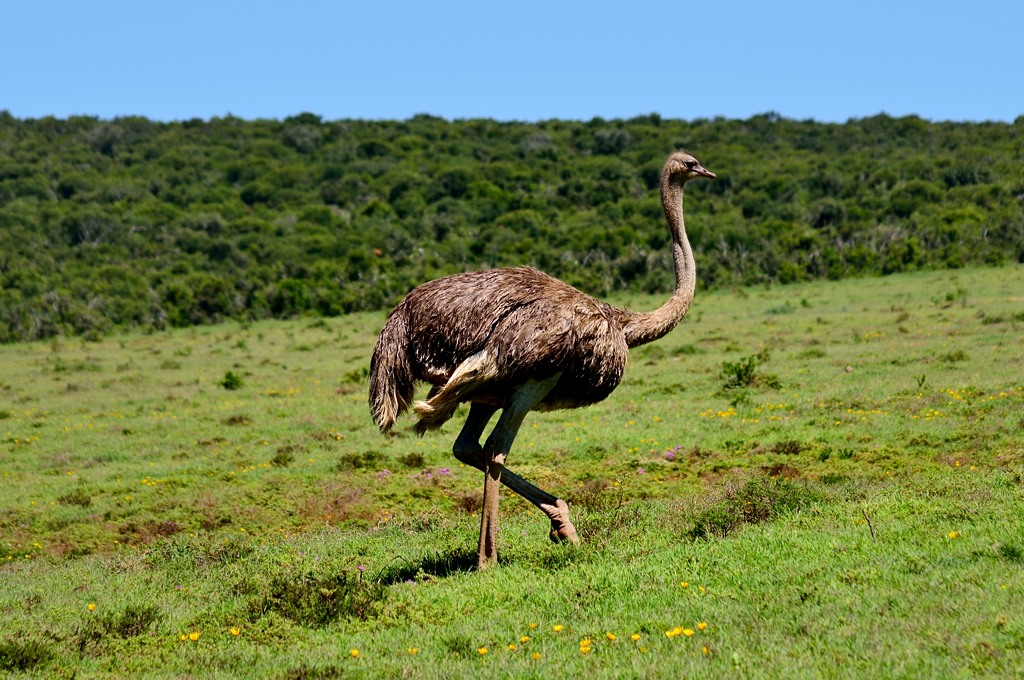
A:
[(487, 552), (490, 459), (467, 450), (497, 447)]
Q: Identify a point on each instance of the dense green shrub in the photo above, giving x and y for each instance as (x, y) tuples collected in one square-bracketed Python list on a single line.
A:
[(129, 222)]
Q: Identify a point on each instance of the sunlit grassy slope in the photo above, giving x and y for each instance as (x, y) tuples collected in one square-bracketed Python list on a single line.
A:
[(834, 470)]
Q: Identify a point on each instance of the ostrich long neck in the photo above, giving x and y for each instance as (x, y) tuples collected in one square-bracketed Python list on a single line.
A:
[(643, 328)]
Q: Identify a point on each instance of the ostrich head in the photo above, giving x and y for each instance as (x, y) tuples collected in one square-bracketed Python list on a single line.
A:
[(681, 167)]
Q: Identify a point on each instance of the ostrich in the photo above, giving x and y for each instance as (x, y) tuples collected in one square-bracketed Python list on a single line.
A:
[(518, 340)]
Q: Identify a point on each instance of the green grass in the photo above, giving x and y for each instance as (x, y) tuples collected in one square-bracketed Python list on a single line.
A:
[(860, 515)]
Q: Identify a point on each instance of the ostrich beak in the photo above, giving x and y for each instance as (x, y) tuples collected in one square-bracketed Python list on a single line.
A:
[(704, 172)]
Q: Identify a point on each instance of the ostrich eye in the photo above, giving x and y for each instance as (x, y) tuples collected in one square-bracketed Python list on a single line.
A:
[(691, 164)]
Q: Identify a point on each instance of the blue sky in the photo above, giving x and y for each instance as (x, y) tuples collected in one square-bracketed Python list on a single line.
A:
[(522, 60)]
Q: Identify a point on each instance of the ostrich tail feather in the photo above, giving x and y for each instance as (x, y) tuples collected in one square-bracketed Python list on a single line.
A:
[(391, 376)]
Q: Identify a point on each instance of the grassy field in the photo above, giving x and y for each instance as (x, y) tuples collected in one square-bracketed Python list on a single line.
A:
[(815, 480)]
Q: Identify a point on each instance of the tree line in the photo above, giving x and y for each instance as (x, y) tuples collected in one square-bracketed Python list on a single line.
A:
[(129, 222)]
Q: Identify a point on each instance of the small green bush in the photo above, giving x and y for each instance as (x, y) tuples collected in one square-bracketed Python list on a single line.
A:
[(237, 419), (789, 447), (132, 621), (356, 376), (1011, 552), (18, 655), (746, 373), (282, 459), (359, 461), (758, 500), (413, 460), (316, 601), (954, 357), (76, 497), (231, 381)]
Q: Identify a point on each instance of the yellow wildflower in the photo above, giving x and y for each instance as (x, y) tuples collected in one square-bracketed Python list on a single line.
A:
[(524, 639), (610, 636), (952, 534), (354, 653), (684, 584), (236, 631), (194, 635), (557, 627), (481, 651), (536, 655), (413, 650), (635, 636), (687, 632), (92, 606), (702, 625)]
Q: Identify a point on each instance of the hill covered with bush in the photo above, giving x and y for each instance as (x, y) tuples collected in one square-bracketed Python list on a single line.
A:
[(130, 222)]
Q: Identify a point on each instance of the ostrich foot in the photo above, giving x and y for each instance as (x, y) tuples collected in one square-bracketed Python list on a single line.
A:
[(562, 528)]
